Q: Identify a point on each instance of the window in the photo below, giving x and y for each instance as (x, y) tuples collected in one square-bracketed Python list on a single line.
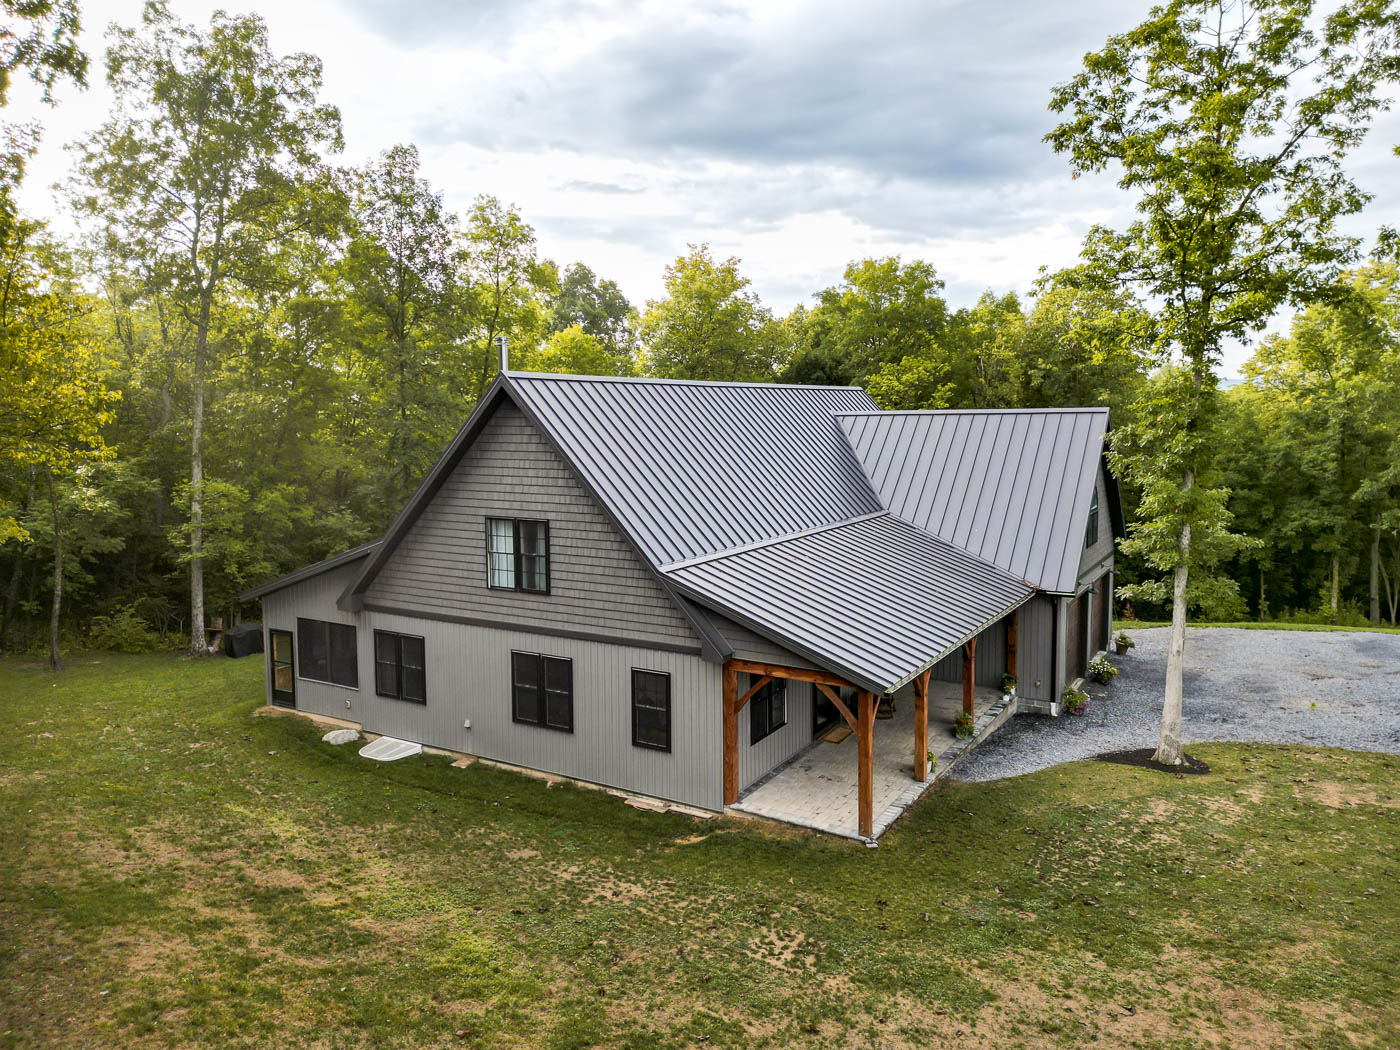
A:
[(651, 710), (517, 554), (398, 667), (542, 691), (328, 652), (1091, 533), (824, 713), (767, 709)]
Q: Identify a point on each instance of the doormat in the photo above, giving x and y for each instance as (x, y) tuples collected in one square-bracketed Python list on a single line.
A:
[(835, 736)]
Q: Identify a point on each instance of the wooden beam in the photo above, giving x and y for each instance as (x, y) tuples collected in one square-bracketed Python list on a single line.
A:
[(836, 701), (796, 674), (739, 704), (865, 733), (731, 734), (969, 659), (921, 727), (1011, 626)]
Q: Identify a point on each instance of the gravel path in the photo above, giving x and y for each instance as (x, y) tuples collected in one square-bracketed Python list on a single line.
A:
[(1286, 687)]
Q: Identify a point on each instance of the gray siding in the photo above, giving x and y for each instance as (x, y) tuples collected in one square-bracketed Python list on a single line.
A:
[(598, 583), (749, 645), (468, 679), (1093, 559), (757, 759), (1035, 648)]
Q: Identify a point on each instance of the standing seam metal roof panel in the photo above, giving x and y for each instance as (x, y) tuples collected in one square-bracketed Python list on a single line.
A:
[(1011, 486)]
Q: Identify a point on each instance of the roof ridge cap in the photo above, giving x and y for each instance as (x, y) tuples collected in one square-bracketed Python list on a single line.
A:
[(659, 381)]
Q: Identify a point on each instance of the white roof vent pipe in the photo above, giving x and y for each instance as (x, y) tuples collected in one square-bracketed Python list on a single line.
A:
[(503, 348)]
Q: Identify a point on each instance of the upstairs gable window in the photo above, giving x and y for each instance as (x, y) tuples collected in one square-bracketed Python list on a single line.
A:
[(1091, 532), (517, 555)]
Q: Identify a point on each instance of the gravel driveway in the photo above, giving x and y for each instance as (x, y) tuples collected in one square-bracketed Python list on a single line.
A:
[(1286, 687)]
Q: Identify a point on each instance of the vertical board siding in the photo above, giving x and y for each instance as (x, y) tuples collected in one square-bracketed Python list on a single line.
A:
[(468, 679), (598, 583), (1094, 557), (749, 645), (757, 759), (1035, 648)]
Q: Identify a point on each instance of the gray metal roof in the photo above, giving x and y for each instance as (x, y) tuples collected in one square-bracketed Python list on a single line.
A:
[(333, 562), (690, 468), (876, 599), (1011, 486)]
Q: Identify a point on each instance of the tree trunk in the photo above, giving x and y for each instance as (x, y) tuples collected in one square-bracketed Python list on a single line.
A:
[(54, 662), (1336, 573), (17, 575), (1376, 576), (201, 343), (1263, 602), (1169, 742)]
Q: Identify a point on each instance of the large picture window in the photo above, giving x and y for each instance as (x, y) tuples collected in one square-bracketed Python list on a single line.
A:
[(398, 667), (542, 691), (1091, 531), (327, 652), (517, 554), (651, 709), (768, 710)]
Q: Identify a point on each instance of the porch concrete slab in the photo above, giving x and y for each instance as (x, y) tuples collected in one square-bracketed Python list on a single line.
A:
[(818, 788)]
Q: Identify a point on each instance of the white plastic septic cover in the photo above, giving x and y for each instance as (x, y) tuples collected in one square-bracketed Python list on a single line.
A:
[(389, 749)]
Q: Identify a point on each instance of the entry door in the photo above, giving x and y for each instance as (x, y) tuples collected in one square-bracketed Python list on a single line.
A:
[(1103, 614), (1076, 640), (284, 692)]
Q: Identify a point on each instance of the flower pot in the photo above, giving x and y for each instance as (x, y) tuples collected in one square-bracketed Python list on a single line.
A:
[(1120, 648)]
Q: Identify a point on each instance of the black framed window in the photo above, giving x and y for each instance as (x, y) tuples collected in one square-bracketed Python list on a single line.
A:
[(399, 668), (517, 554), (328, 652), (651, 709), (767, 709), (1091, 531), (542, 690)]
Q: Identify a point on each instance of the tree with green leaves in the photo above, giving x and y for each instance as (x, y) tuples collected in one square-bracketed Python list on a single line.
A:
[(54, 401), (38, 38), (508, 286), (710, 324), (199, 169), (1229, 121), (575, 352), (596, 307)]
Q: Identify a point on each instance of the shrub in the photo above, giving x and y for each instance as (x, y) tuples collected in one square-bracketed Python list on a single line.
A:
[(1102, 671), (1008, 683), (1076, 701), (964, 725), (123, 631)]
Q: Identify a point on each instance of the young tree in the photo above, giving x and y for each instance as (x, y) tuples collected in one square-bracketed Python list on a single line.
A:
[(597, 308), (1229, 121), (507, 286), (197, 171)]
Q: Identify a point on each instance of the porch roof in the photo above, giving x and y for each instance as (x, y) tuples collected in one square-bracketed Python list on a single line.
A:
[(875, 599)]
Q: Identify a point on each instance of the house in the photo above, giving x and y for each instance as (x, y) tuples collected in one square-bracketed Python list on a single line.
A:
[(673, 588)]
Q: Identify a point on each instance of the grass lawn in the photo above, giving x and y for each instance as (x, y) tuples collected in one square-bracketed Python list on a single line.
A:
[(178, 872)]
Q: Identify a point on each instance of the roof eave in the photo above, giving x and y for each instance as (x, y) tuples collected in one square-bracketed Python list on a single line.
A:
[(307, 572)]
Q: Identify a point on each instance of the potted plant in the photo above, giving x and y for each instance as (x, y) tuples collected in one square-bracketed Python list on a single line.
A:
[(1122, 643), (1101, 670), (1075, 701), (964, 725), (1008, 684)]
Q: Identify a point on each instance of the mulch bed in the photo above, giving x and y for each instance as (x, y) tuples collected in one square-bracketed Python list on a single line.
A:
[(1142, 758)]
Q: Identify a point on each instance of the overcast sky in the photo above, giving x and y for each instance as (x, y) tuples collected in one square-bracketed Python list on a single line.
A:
[(795, 135)]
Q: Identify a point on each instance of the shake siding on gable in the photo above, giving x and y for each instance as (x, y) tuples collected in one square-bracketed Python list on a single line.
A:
[(598, 584)]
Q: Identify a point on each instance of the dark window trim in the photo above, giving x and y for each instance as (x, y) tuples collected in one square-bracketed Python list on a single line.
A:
[(646, 744), (398, 637), (1091, 530), (518, 557), (775, 686), (301, 650), (543, 722)]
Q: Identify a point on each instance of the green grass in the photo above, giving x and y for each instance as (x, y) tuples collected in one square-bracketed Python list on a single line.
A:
[(1253, 625), (177, 872)]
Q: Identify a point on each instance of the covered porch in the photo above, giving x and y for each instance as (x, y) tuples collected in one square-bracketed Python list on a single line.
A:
[(819, 787), (855, 784)]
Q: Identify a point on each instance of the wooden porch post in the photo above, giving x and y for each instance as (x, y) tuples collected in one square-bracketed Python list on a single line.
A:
[(921, 727), (866, 747), (969, 656), (1011, 626), (731, 734)]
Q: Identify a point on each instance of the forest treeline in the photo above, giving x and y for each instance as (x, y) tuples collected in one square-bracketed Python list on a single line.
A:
[(251, 353)]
